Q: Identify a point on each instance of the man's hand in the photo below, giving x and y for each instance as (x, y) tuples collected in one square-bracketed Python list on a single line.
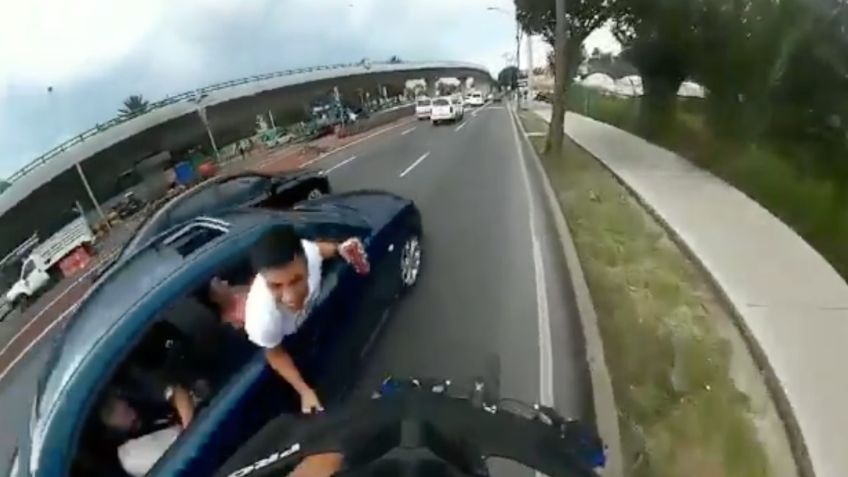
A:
[(319, 465), (353, 252), (309, 402)]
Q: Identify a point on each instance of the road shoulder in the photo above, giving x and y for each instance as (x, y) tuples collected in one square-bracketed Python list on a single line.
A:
[(689, 394), (603, 400)]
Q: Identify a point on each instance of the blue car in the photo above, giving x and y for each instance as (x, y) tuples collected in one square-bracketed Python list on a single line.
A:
[(164, 283)]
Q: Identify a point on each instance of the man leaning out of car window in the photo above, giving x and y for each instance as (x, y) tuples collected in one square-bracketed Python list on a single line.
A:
[(287, 282)]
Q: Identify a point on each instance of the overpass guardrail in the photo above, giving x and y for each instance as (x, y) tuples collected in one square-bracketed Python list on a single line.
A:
[(196, 93)]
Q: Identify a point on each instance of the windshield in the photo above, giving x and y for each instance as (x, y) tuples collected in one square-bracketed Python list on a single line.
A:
[(27, 269), (638, 205)]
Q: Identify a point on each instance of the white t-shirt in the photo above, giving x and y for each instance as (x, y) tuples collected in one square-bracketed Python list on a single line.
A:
[(267, 322), (138, 455)]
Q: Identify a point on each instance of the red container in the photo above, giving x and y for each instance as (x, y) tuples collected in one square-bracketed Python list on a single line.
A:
[(207, 169)]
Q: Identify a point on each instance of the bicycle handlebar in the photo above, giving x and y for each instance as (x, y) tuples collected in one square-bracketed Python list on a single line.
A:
[(453, 428)]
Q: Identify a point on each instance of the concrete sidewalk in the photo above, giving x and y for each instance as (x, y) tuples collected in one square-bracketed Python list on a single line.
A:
[(792, 302)]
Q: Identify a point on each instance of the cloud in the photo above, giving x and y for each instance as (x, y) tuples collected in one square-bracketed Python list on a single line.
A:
[(94, 53)]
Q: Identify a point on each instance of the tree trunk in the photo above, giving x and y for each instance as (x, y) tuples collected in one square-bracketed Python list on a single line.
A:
[(658, 106), (555, 132)]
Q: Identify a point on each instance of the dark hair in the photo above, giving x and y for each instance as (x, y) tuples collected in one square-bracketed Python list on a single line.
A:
[(279, 246)]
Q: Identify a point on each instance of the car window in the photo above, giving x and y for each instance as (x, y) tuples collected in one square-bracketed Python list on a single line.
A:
[(202, 201), (423, 102), (441, 102), (28, 268), (140, 413)]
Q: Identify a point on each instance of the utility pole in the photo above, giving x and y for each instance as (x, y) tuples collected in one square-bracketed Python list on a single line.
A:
[(58, 112), (529, 68), (555, 135)]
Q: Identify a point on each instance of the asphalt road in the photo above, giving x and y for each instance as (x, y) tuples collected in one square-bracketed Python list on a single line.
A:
[(478, 294)]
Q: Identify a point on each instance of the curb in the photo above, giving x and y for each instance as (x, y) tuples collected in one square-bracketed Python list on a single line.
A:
[(606, 413), (800, 453)]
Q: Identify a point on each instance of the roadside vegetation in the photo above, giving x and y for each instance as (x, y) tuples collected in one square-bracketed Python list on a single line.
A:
[(800, 182), (774, 122), (680, 412)]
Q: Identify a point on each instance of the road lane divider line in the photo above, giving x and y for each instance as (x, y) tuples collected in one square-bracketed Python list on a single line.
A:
[(412, 166), (346, 161), (546, 373), (408, 131), (32, 321), (353, 143), (460, 126), (37, 339), (601, 384)]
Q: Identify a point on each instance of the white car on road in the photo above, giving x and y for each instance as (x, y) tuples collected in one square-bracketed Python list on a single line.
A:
[(422, 108), (445, 109), (475, 99)]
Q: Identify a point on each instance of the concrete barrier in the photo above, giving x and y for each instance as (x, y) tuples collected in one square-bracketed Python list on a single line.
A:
[(378, 119)]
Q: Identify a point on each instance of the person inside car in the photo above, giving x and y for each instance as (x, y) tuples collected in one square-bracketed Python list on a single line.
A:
[(141, 437), (287, 282)]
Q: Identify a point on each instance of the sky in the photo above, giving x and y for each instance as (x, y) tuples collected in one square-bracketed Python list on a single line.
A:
[(66, 65)]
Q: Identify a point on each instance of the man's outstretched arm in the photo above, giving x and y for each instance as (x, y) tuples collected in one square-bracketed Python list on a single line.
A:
[(281, 361)]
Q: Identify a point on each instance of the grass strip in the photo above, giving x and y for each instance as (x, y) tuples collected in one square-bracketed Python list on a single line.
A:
[(679, 410)]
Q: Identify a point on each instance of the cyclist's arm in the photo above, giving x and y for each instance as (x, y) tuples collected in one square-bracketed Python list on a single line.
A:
[(319, 465)]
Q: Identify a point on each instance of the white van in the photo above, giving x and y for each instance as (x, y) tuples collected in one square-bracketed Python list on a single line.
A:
[(422, 108)]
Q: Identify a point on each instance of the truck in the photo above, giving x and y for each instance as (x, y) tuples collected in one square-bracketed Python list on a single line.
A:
[(42, 266)]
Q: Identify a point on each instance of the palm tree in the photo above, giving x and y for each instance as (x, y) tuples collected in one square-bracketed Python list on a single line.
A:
[(135, 104)]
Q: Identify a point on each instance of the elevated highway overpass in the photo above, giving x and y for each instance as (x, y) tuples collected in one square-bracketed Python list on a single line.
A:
[(41, 194)]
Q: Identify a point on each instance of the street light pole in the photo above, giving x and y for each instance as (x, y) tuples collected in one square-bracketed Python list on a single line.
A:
[(201, 111), (78, 167), (529, 67), (517, 44)]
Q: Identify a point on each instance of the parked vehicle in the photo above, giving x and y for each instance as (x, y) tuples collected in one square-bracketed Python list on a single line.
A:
[(40, 268), (164, 284), (422, 108), (128, 206), (445, 109)]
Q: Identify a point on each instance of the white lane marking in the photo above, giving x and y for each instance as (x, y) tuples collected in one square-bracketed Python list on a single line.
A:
[(408, 131), (328, 171), (546, 375), (536, 134), (342, 148), (32, 343), (32, 321), (412, 166), (460, 126)]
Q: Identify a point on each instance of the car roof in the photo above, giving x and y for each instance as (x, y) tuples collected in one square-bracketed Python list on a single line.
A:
[(152, 224)]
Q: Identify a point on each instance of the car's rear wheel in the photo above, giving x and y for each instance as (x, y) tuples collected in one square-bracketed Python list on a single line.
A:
[(314, 194), (411, 255), (21, 302)]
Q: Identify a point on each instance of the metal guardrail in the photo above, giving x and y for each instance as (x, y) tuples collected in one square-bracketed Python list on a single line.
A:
[(41, 160)]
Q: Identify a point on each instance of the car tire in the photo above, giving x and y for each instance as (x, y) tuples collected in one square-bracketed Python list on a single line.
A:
[(21, 302), (315, 193), (410, 260)]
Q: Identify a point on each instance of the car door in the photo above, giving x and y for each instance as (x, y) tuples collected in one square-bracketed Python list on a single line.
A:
[(34, 276), (345, 323)]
